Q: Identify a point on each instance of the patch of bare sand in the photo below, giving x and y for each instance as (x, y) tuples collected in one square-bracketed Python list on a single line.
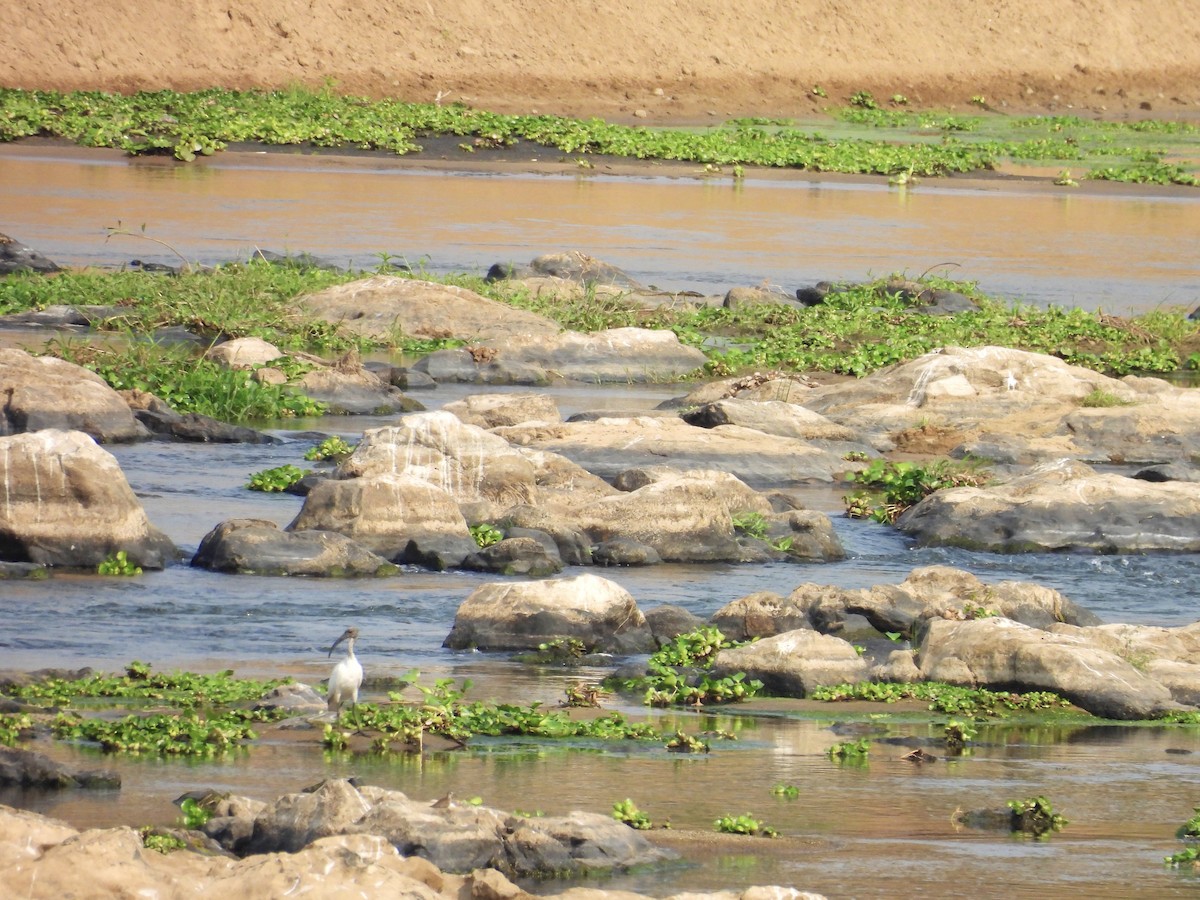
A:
[(650, 60)]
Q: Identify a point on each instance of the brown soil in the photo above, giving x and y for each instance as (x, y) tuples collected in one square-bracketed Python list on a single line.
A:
[(651, 60)]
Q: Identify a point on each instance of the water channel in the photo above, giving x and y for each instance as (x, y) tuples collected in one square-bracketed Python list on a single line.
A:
[(873, 831)]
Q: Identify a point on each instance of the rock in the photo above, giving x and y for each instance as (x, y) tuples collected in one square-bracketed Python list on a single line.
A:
[(668, 621), (28, 769), (934, 592), (294, 821), (244, 353), (685, 517), (778, 418), (1000, 654), (520, 616), (61, 316), (399, 517), (67, 503), (741, 297), (618, 355), (624, 552), (571, 265), (1169, 472), (517, 556), (608, 446), (258, 547), (357, 392), (162, 421), (791, 664), (304, 261), (1060, 506), (1170, 656), (16, 257), (42, 392), (761, 614), (491, 410), (968, 392), (464, 461), (383, 305), (295, 697)]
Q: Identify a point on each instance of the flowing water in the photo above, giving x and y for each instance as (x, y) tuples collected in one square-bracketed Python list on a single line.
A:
[(873, 831)]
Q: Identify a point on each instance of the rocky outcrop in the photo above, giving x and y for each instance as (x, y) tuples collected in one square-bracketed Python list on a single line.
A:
[(1061, 506), (932, 592), (793, 663), (520, 616), (399, 517), (65, 502), (492, 410), (618, 355), (21, 768), (1000, 654), (608, 446), (41, 392), (383, 306), (166, 424), (258, 547)]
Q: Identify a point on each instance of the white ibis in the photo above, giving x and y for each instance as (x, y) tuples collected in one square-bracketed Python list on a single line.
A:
[(346, 677)]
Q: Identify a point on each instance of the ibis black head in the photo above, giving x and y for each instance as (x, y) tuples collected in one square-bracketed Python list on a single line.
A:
[(349, 634)]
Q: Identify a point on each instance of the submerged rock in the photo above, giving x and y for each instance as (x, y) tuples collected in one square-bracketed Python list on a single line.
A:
[(258, 547), (30, 769)]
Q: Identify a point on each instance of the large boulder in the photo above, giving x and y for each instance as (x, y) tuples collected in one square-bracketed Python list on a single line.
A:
[(465, 461), (598, 612), (383, 306), (932, 592), (793, 663), (618, 355), (1000, 654), (491, 410), (27, 769), (685, 517), (779, 418), (570, 265), (608, 446), (66, 503), (40, 392), (399, 517), (1061, 506), (258, 547)]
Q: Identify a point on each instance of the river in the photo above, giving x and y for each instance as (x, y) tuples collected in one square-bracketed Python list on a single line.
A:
[(872, 831)]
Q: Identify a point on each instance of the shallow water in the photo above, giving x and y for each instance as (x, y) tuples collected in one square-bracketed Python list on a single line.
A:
[(1120, 249), (876, 831)]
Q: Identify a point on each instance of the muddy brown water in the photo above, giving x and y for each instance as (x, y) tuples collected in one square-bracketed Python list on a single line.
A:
[(879, 830), (1117, 248)]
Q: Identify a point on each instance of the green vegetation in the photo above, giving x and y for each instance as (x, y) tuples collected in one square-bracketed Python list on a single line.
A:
[(944, 698), (787, 791), (850, 751), (1101, 399), (118, 564), (485, 534), (626, 811), (163, 843), (892, 487), (446, 713), (14, 727), (873, 140), (1190, 855), (187, 733), (194, 815), (186, 382), (676, 673), (744, 824), (277, 479), (1035, 817), (958, 734), (186, 690), (751, 524), (332, 449)]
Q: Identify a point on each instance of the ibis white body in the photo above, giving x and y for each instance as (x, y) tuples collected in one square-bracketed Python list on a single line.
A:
[(346, 677)]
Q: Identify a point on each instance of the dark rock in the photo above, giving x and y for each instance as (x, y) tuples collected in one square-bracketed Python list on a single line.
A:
[(16, 257), (303, 261), (1169, 472), (195, 428), (29, 769), (668, 621), (517, 556), (258, 547), (624, 552)]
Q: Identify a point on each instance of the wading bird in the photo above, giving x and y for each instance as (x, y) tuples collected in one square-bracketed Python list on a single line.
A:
[(346, 677)]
